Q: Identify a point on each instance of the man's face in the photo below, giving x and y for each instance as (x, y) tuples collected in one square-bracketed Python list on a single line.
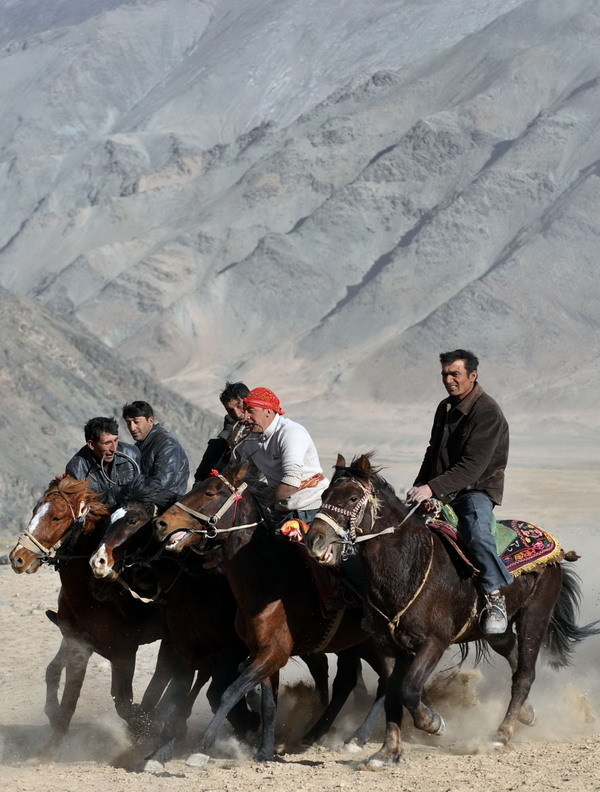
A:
[(456, 380), (235, 409), (139, 427), (258, 418), (105, 447)]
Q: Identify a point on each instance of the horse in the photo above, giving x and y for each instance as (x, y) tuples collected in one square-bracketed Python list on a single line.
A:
[(64, 530), (199, 610), (279, 613), (419, 601)]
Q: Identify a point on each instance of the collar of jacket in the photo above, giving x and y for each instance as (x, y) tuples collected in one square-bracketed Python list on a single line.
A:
[(465, 405)]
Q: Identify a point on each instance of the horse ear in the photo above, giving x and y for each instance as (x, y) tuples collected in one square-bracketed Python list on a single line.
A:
[(363, 463), (340, 462), (240, 473)]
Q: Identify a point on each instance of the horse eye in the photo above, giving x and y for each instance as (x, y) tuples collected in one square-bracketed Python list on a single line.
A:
[(132, 521), (354, 498), (56, 519)]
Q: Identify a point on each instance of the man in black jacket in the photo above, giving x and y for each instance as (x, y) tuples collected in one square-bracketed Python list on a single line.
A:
[(110, 465), (218, 449), (164, 462), (464, 466)]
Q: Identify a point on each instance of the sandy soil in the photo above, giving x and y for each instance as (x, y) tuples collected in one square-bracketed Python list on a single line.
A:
[(559, 752)]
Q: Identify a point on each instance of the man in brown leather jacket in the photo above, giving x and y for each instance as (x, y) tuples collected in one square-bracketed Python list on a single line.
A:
[(464, 466)]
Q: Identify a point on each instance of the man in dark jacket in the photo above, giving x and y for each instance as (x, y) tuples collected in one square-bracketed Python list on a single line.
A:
[(464, 466), (109, 464), (218, 449), (164, 462)]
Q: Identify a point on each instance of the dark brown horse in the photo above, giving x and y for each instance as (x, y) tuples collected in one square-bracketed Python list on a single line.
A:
[(198, 608), (65, 529), (279, 613), (420, 601)]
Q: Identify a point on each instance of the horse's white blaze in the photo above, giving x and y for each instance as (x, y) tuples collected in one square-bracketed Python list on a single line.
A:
[(99, 562), (35, 520), (116, 515)]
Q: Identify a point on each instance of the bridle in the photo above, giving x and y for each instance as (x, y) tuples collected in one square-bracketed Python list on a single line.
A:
[(48, 555), (353, 535), (211, 531)]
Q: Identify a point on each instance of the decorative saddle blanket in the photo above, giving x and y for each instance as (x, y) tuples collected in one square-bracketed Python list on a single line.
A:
[(522, 546)]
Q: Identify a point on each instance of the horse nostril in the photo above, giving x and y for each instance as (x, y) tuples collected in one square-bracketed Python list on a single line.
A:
[(18, 561), (160, 524)]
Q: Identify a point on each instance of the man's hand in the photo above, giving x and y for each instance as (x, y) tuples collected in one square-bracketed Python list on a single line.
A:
[(419, 494)]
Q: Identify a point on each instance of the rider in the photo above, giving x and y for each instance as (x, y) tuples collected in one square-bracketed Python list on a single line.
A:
[(464, 466), (109, 464), (218, 449), (164, 462), (285, 455)]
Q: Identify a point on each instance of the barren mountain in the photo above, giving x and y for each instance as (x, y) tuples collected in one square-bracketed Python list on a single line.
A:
[(318, 197)]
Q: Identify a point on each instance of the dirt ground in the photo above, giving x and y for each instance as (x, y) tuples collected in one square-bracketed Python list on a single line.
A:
[(559, 752)]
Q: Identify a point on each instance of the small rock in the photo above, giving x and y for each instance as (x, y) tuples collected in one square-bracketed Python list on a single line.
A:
[(197, 760)]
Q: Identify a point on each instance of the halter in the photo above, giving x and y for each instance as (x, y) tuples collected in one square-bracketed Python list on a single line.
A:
[(212, 531), (356, 516), (28, 541)]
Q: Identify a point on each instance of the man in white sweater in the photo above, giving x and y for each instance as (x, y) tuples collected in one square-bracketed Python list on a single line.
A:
[(284, 453)]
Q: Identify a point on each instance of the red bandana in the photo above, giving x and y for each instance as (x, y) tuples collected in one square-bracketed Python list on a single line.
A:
[(265, 398)]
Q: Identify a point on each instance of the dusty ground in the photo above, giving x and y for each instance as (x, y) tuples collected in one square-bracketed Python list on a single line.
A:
[(560, 752)]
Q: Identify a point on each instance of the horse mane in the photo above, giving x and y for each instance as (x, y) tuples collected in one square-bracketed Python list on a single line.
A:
[(74, 489), (372, 475)]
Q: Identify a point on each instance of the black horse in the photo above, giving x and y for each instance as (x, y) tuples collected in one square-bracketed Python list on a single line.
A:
[(419, 600)]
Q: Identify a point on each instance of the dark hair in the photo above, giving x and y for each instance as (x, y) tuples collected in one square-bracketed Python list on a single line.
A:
[(234, 390), (470, 360), (135, 409), (96, 427)]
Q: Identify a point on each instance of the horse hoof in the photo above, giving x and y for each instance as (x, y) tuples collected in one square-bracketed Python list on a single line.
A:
[(528, 715), (152, 766), (197, 760), (352, 747), (441, 729), (498, 741), (380, 762)]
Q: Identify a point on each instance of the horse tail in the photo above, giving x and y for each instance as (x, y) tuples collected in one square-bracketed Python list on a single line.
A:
[(563, 633)]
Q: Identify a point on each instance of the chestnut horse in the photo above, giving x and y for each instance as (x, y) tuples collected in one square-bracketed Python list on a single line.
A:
[(419, 602), (279, 613), (65, 529)]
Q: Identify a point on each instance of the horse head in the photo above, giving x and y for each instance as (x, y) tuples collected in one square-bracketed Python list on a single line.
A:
[(66, 507), (349, 508), (124, 530), (209, 509)]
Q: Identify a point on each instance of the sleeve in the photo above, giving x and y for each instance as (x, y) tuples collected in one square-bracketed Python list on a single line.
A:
[(293, 445), (213, 457), (167, 463), (77, 468)]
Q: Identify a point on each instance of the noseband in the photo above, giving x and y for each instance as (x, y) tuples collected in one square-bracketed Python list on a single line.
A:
[(28, 541), (212, 531)]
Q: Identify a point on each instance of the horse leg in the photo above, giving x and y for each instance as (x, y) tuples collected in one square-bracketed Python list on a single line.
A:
[(343, 684), (121, 687), (256, 672), (425, 660), (225, 672), (383, 667), (163, 671), (506, 646), (76, 656), (532, 624), (54, 671), (391, 750), (318, 665), (269, 688)]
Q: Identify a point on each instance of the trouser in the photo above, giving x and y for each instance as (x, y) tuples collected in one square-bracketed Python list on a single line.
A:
[(474, 512)]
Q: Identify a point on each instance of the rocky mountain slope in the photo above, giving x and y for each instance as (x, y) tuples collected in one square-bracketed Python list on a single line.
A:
[(318, 197), (53, 378)]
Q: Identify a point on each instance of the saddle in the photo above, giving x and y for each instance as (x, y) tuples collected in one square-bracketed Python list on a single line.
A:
[(521, 546)]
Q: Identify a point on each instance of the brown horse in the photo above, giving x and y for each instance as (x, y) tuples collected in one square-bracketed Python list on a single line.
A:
[(419, 601), (279, 613), (64, 530)]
